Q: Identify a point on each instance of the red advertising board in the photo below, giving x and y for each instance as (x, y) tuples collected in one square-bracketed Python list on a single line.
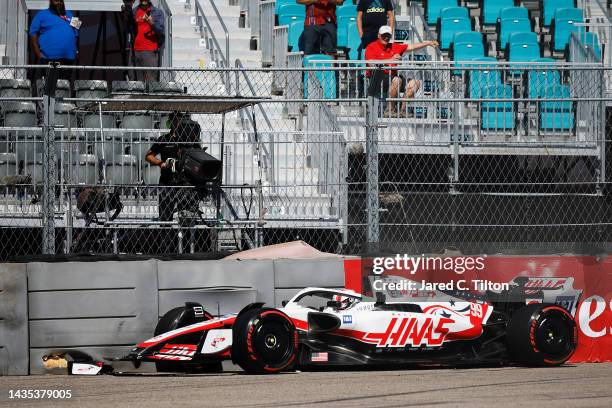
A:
[(589, 275)]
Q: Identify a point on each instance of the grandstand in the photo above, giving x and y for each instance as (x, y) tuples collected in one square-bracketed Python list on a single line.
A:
[(505, 143)]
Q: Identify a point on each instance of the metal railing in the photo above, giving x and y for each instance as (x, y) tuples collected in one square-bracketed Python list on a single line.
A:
[(266, 31), (220, 57), (253, 19), (167, 52)]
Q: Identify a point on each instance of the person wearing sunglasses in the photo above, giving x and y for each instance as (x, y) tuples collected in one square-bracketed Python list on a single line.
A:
[(386, 50)]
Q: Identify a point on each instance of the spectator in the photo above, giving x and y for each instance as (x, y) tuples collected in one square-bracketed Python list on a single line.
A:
[(393, 84), (320, 26), (371, 15), (53, 36), (147, 23)]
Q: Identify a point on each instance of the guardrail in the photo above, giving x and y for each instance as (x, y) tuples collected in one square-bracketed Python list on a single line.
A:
[(266, 31), (220, 57)]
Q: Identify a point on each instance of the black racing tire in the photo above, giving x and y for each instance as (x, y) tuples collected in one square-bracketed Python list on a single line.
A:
[(171, 321), (541, 335), (264, 341)]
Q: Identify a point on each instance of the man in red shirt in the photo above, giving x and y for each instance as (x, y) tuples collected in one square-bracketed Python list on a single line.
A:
[(385, 50), (320, 26), (147, 25)]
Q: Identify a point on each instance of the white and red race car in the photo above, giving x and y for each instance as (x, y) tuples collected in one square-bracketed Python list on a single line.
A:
[(327, 327)]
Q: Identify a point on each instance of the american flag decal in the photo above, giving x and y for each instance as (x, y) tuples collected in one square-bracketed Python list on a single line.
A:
[(319, 357)]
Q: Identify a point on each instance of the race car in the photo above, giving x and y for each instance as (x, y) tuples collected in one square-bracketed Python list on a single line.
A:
[(339, 328)]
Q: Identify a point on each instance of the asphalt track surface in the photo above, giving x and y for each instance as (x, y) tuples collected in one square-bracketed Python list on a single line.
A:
[(583, 385)]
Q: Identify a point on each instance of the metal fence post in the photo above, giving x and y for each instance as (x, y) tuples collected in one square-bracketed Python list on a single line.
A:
[(373, 236), (49, 176)]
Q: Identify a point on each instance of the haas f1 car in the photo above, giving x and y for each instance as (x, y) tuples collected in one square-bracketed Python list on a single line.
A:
[(326, 327)]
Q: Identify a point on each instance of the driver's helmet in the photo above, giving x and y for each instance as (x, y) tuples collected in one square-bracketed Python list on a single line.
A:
[(345, 301)]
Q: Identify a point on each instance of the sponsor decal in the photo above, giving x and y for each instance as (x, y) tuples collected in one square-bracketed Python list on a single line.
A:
[(217, 341), (319, 357), (347, 319), (186, 350), (198, 311), (410, 331)]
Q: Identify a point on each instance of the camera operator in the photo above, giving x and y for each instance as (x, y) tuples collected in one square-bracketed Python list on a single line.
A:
[(170, 147), (145, 24)]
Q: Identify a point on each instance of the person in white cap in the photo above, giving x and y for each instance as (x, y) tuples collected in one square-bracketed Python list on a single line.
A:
[(385, 50)]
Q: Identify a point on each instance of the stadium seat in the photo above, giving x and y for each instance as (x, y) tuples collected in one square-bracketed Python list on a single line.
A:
[(522, 47), (540, 78), (497, 115), (562, 26), (122, 169), (433, 8), (291, 12), (15, 88), (62, 88), (92, 121), (466, 47), (491, 9), (550, 6), (90, 90), (449, 27), (128, 87), (64, 115), (8, 164), (296, 29), (513, 12), (512, 25), (327, 79), (343, 23), (84, 169), (19, 114), (354, 41), (136, 120), (281, 3), (556, 115), (591, 41), (479, 79), (113, 144), (171, 88), (454, 12), (346, 9)]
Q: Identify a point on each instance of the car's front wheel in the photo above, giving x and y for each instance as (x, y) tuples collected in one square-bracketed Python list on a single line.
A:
[(264, 341), (541, 335)]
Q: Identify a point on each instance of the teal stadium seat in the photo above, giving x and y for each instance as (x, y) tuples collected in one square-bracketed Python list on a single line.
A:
[(433, 8), (346, 9), (509, 26), (548, 8), (497, 115), (281, 3), (342, 32), (542, 77), (591, 41), (353, 42), (291, 12), (326, 79), (556, 115), (513, 12), (479, 79), (449, 27), (491, 9), (454, 12), (522, 47), (466, 47), (296, 29), (562, 26)]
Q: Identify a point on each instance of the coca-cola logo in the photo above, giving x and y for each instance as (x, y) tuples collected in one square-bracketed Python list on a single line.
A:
[(595, 317)]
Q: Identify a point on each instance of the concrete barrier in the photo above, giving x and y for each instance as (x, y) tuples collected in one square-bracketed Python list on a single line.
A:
[(13, 320)]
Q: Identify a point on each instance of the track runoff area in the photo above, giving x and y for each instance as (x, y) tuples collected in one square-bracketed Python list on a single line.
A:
[(580, 385)]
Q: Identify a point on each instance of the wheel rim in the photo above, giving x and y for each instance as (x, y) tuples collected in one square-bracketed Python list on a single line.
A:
[(273, 340), (553, 335)]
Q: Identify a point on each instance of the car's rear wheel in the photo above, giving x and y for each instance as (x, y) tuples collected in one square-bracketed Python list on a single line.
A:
[(541, 335), (175, 319), (264, 341)]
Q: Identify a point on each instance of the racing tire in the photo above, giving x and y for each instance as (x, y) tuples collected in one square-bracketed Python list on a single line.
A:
[(541, 335), (264, 341), (171, 321)]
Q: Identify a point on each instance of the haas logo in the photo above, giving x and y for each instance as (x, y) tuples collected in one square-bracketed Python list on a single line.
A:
[(411, 331)]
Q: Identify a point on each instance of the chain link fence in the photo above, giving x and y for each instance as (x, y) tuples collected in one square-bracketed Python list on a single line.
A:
[(419, 157)]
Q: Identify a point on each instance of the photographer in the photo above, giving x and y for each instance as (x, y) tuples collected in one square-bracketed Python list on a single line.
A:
[(184, 134), (146, 26)]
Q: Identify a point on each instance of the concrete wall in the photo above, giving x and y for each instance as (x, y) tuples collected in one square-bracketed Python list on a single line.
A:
[(13, 320), (104, 308)]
